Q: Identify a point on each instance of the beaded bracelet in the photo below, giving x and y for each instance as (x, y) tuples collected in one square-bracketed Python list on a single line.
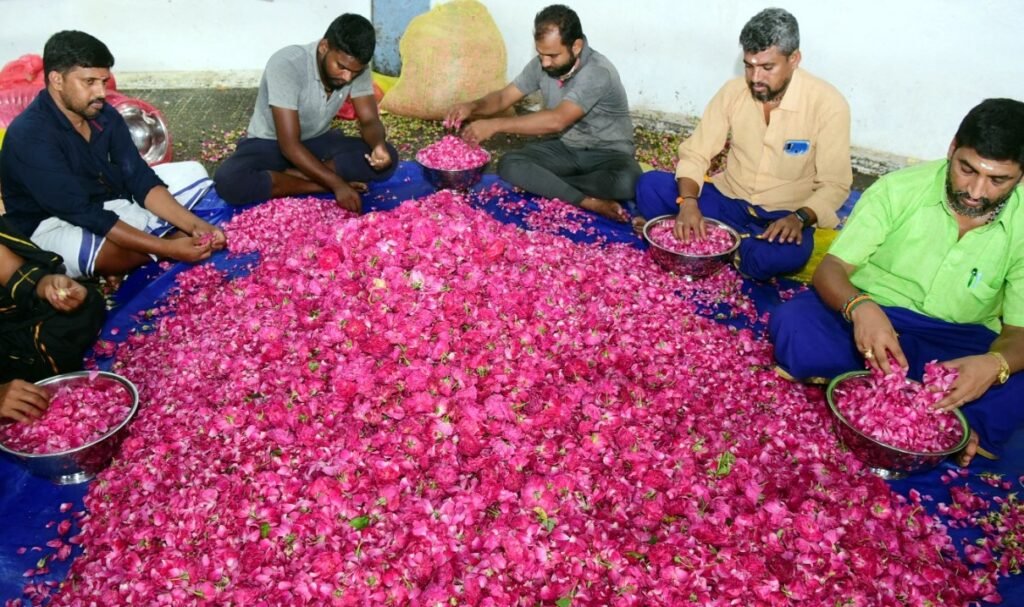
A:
[(846, 304), (853, 306), (852, 303)]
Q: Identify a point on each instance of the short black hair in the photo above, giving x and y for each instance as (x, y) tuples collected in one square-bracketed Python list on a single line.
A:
[(771, 27), (995, 130), (69, 49), (562, 18), (353, 35)]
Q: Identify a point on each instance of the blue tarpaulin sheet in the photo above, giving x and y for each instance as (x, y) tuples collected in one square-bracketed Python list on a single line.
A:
[(29, 504)]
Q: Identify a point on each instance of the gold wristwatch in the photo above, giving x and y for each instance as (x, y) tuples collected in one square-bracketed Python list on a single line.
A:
[(1004, 367)]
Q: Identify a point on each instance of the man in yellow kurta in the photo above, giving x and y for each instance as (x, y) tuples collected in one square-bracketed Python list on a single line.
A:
[(788, 166)]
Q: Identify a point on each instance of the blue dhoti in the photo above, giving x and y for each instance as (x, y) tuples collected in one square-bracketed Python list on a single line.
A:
[(812, 340), (656, 193)]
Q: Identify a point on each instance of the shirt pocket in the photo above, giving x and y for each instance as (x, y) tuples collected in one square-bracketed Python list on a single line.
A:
[(981, 299), (796, 158), (989, 301)]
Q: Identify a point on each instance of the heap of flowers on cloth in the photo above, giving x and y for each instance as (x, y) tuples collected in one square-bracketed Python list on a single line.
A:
[(429, 407)]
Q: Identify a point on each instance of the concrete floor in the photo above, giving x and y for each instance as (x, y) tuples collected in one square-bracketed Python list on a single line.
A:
[(194, 115), (197, 115)]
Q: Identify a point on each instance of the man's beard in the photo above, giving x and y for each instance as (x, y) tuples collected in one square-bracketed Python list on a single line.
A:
[(769, 94), (956, 200), (558, 72), (328, 83), (85, 110)]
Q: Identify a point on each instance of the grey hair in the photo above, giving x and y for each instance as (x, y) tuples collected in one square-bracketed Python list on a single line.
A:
[(771, 27)]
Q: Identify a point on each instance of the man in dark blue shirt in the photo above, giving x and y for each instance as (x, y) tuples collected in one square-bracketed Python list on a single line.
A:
[(73, 179)]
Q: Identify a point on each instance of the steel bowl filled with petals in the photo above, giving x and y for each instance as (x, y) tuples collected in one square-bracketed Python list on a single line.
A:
[(453, 164), (888, 423), (81, 430), (697, 258)]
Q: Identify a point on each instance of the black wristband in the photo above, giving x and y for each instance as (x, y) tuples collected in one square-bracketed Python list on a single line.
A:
[(803, 217)]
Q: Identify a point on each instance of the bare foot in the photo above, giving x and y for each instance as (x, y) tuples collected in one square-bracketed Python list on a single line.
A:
[(605, 208), (964, 457), (638, 224)]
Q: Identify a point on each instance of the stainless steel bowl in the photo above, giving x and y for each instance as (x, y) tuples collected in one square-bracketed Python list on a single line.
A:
[(695, 266), (884, 460), (80, 464), (148, 131), (453, 180), (147, 127)]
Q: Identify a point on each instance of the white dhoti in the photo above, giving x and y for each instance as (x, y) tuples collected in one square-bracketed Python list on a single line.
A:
[(187, 181)]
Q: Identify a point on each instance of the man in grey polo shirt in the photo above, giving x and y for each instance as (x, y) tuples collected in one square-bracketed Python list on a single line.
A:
[(590, 164), (290, 148)]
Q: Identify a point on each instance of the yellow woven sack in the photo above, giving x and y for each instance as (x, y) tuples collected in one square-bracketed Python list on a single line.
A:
[(453, 53), (384, 82)]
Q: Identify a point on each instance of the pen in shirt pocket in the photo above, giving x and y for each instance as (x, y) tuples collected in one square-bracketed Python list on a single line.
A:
[(973, 280)]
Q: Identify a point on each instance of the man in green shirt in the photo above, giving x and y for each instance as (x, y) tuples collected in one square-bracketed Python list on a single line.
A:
[(930, 266)]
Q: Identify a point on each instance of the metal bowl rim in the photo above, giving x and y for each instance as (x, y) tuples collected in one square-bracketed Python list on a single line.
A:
[(124, 381), (835, 411), (735, 238)]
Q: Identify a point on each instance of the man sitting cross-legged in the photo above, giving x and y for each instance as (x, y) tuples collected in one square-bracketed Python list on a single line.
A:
[(930, 266), (590, 163), (290, 147), (74, 181), (788, 166)]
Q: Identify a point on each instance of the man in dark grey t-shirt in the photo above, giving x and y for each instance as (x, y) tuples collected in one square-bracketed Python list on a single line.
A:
[(591, 163), (290, 148)]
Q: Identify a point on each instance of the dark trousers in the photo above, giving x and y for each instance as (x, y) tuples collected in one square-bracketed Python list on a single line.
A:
[(244, 176), (50, 342), (554, 170), (656, 194), (813, 340)]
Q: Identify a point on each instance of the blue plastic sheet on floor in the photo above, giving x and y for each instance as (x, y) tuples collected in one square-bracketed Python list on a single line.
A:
[(29, 504)]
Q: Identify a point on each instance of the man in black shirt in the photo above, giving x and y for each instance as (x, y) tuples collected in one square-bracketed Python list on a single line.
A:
[(73, 180), (47, 321)]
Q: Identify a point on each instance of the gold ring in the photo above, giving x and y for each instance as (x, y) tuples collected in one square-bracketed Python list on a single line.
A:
[(868, 354)]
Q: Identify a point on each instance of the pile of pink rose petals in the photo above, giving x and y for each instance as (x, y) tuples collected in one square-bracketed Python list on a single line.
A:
[(429, 407)]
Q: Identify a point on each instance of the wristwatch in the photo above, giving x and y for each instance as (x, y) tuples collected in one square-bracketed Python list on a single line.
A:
[(803, 217), (1004, 367)]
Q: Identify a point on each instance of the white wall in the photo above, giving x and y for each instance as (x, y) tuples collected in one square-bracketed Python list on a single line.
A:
[(173, 35), (909, 68)]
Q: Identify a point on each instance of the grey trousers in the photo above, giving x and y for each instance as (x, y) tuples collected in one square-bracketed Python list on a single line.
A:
[(555, 170)]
